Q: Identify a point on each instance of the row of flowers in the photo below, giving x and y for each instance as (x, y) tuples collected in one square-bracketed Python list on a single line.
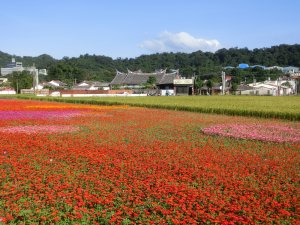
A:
[(30, 129)]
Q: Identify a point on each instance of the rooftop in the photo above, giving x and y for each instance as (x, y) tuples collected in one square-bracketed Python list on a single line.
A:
[(139, 77)]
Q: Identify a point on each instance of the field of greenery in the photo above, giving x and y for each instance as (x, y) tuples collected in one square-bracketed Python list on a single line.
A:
[(87, 164), (285, 107)]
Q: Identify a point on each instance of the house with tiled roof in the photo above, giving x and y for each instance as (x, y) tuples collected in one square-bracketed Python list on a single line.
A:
[(166, 83), (53, 84), (137, 79), (91, 85)]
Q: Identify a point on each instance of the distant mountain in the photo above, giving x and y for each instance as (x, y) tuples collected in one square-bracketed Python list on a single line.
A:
[(4, 58), (103, 68)]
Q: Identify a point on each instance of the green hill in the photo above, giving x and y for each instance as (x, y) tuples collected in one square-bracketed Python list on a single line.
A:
[(208, 65)]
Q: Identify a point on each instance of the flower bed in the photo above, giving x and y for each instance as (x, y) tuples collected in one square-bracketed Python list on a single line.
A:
[(262, 132), (142, 166)]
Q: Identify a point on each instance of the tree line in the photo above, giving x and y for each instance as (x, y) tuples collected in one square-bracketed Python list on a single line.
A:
[(206, 65)]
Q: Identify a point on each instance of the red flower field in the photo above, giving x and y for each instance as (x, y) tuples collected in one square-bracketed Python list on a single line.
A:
[(80, 164)]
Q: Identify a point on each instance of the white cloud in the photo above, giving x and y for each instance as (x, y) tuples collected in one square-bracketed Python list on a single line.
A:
[(180, 42)]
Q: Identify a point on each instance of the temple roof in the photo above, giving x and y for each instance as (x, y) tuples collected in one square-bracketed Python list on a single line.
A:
[(138, 77), (119, 78), (168, 78)]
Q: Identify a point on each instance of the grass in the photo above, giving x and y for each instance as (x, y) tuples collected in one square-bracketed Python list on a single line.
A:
[(8, 96), (283, 107)]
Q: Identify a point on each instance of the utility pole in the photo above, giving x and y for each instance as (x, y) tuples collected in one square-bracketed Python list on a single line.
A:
[(17, 85), (278, 86), (223, 83), (193, 87), (35, 75), (36, 80), (296, 86)]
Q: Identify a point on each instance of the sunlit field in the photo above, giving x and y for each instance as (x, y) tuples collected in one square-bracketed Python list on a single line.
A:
[(86, 164)]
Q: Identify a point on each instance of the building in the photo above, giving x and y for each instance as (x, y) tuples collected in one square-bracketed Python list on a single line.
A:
[(290, 69), (274, 88), (137, 80), (244, 90), (274, 68), (43, 72), (91, 85), (3, 80), (14, 66), (295, 75), (7, 91), (243, 66), (54, 84), (228, 67), (258, 66), (11, 67), (183, 86)]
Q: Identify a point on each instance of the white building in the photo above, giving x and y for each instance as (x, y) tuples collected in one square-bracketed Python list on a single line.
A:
[(18, 67), (55, 84), (275, 88), (274, 67), (290, 69), (7, 91), (3, 80)]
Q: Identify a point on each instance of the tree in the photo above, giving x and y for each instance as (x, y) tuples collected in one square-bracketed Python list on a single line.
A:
[(151, 82), (66, 72), (97, 68), (198, 85), (209, 85), (234, 87), (21, 80), (287, 84)]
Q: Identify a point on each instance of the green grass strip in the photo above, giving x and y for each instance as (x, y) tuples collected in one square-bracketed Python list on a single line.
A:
[(286, 107)]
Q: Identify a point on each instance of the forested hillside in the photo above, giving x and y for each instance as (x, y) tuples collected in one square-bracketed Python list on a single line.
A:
[(207, 65)]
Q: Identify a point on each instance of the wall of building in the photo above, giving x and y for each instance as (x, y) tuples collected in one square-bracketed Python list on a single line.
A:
[(7, 92)]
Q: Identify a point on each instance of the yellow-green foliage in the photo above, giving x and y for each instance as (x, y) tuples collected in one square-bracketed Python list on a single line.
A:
[(285, 107)]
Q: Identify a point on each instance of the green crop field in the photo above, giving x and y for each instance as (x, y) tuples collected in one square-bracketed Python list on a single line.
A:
[(285, 107)]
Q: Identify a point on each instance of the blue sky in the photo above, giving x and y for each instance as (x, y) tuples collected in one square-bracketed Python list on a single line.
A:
[(129, 28)]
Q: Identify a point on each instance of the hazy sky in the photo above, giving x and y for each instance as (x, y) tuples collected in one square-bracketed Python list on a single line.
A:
[(129, 28)]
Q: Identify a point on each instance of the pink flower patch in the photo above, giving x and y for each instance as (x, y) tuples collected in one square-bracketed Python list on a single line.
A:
[(39, 129), (262, 132), (14, 114)]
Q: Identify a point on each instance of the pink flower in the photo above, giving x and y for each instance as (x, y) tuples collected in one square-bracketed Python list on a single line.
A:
[(263, 132)]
